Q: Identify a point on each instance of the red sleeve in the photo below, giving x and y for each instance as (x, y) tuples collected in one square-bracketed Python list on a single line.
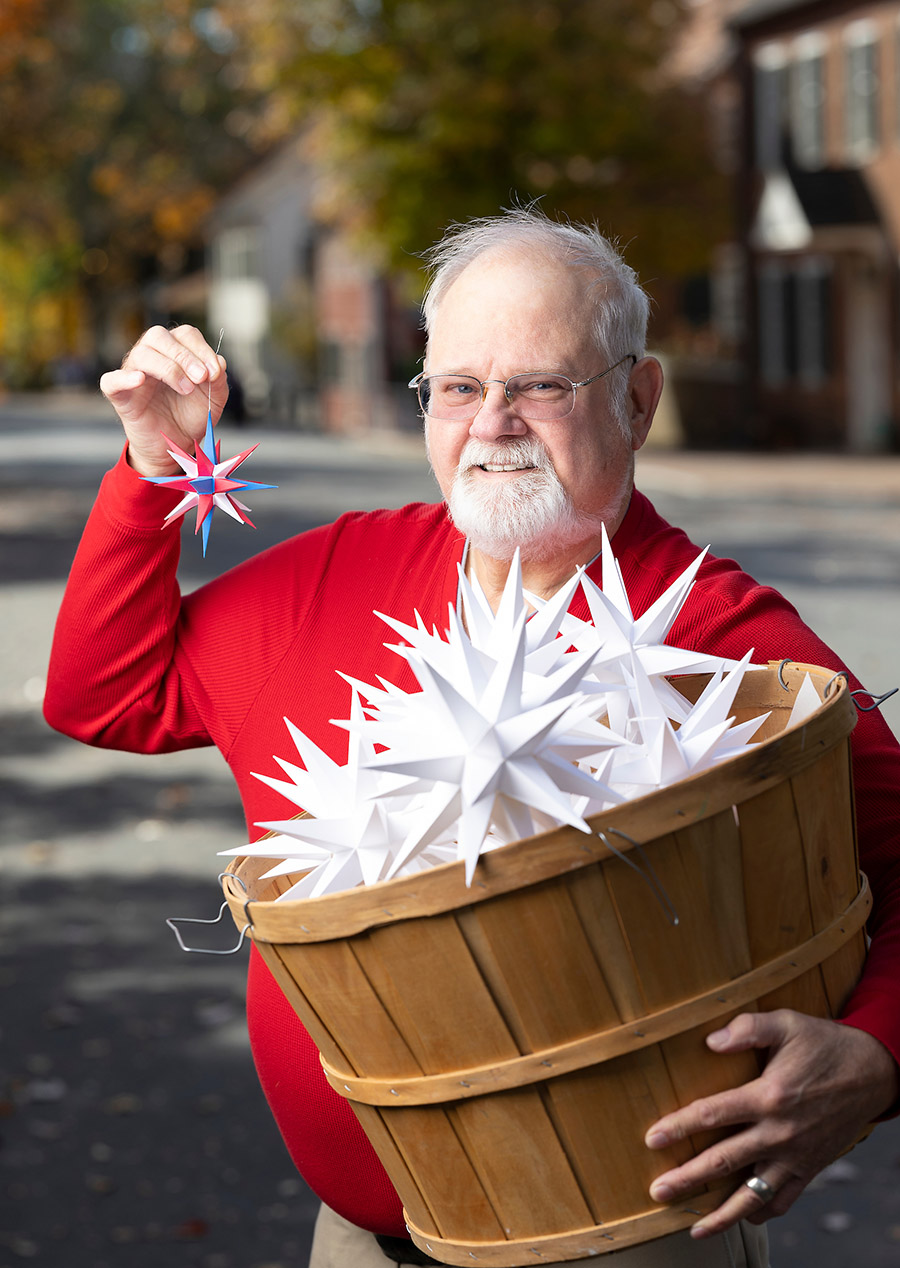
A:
[(111, 680), (135, 666)]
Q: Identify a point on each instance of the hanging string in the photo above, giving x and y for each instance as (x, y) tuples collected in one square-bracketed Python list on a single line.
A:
[(649, 876), (209, 385)]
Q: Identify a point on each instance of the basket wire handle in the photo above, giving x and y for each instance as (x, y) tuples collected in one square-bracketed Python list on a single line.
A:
[(649, 876), (174, 921), (877, 701)]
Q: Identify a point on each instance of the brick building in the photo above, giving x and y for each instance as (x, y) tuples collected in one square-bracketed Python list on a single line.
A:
[(819, 211)]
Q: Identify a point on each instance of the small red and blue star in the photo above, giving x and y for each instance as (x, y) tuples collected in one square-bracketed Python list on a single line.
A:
[(207, 483)]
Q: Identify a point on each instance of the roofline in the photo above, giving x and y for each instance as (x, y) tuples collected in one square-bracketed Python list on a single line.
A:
[(759, 11)]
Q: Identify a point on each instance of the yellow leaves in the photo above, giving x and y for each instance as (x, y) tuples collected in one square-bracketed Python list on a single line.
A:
[(238, 123), (361, 104), (542, 174), (178, 217), (547, 16), (39, 52), (95, 261), (19, 18), (193, 99), (114, 134), (101, 97), (179, 44), (273, 122), (107, 179), (39, 317), (21, 34)]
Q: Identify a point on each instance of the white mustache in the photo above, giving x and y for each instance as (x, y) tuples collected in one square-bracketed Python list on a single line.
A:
[(526, 452)]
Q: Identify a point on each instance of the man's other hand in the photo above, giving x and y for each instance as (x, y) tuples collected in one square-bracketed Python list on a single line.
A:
[(822, 1085)]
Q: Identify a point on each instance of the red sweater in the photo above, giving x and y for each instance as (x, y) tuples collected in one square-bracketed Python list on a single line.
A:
[(135, 666)]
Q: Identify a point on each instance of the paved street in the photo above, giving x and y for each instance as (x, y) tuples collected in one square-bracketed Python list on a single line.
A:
[(133, 1131)]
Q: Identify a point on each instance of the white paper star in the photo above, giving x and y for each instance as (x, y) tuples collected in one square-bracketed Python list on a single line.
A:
[(359, 821), (491, 755), (705, 736), (616, 635)]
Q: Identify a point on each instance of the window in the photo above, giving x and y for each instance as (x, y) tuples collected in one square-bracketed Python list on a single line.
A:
[(807, 100), (330, 362), (813, 309), (236, 254), (769, 94), (795, 322), (773, 324), (861, 91), (729, 293)]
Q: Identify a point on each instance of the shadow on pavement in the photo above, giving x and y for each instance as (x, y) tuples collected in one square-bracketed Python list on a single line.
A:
[(101, 798), (133, 1127), (806, 558), (45, 553)]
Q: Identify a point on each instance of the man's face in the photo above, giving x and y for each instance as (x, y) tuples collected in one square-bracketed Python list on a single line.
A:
[(503, 315)]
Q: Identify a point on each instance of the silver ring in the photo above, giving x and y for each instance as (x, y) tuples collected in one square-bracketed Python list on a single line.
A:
[(761, 1187)]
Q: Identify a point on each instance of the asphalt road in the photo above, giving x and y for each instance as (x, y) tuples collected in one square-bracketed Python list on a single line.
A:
[(133, 1131)]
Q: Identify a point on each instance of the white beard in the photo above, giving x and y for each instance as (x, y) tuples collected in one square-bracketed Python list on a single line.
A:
[(532, 511)]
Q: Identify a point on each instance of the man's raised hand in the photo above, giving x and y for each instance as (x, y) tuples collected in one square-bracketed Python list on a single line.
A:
[(158, 390)]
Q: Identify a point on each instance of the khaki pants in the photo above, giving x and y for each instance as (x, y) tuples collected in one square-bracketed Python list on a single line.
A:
[(339, 1244)]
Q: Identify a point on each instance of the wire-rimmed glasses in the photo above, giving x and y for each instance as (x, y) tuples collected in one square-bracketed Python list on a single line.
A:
[(534, 394)]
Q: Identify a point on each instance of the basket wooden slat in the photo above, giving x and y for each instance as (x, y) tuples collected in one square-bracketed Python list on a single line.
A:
[(418, 992), (456, 1200), (505, 1047), (674, 1022)]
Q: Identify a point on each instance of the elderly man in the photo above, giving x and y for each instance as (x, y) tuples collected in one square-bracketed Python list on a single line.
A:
[(536, 394)]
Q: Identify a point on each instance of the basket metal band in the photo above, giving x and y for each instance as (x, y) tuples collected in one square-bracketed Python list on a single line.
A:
[(592, 1049)]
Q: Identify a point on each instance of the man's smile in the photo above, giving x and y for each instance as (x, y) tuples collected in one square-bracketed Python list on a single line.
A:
[(494, 467)]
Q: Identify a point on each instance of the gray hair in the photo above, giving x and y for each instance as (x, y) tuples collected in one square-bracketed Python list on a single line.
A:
[(621, 306)]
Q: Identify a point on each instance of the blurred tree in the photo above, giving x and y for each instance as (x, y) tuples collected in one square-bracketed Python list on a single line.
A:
[(124, 120), (429, 112), (116, 140)]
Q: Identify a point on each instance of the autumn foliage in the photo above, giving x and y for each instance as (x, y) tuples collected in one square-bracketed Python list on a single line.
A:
[(125, 120)]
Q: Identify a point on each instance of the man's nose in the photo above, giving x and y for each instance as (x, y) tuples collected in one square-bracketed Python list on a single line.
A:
[(497, 415)]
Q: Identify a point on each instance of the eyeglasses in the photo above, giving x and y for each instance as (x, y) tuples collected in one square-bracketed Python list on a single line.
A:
[(533, 395)]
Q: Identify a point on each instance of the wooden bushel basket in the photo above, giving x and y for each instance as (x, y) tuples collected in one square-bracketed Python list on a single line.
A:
[(505, 1047)]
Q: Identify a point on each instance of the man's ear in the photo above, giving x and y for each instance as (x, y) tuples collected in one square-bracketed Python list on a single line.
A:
[(645, 387)]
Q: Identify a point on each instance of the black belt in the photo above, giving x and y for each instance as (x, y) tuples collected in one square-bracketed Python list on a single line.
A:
[(403, 1251)]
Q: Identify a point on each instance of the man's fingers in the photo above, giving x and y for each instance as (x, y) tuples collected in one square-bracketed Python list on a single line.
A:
[(744, 1104), (176, 358), (163, 388), (115, 382), (194, 341), (782, 1202), (725, 1158), (745, 1204), (751, 1030), (725, 1109)]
